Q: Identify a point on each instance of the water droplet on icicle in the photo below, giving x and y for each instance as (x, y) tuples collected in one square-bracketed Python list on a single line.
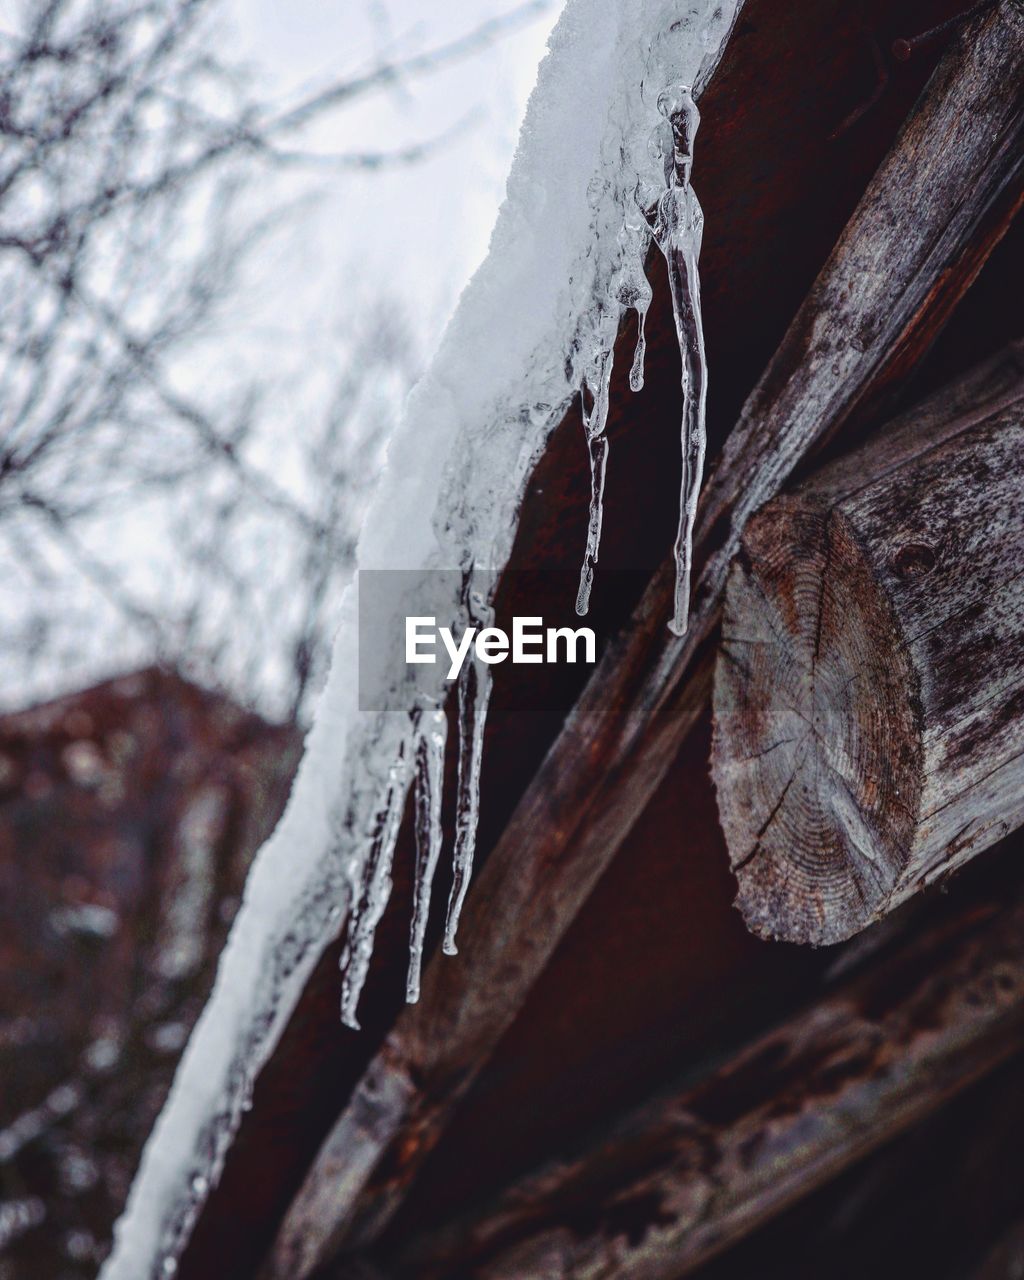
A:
[(636, 372)]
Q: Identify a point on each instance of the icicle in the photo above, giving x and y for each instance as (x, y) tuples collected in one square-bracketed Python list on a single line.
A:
[(474, 695), (594, 424), (374, 891), (636, 372), (634, 289), (678, 224), (432, 727), (631, 289), (597, 447)]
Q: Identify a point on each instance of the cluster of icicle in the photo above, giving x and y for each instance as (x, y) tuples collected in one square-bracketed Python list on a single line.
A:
[(562, 272), (673, 219), (420, 759)]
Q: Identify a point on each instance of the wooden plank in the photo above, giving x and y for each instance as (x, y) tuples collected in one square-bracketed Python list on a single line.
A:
[(776, 193), (697, 1169), (869, 692), (898, 1212), (938, 204)]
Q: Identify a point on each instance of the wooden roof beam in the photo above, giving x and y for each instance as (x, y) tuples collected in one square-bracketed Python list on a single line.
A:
[(869, 690), (697, 1169), (938, 205)]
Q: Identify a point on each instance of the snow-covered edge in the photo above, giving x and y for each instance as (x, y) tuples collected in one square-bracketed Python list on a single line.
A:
[(537, 315)]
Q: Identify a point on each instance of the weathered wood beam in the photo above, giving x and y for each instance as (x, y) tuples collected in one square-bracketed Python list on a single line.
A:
[(1006, 1258), (869, 693), (695, 1171), (937, 205)]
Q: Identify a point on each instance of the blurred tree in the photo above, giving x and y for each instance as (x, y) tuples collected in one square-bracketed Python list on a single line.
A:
[(131, 148)]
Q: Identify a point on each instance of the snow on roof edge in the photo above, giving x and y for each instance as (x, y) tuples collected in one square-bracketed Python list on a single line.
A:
[(456, 470)]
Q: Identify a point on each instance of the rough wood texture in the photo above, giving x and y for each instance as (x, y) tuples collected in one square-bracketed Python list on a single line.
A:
[(776, 195), (698, 1169), (869, 693), (936, 207), (898, 1213)]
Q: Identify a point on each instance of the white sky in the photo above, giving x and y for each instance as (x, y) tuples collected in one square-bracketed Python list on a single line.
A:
[(419, 230)]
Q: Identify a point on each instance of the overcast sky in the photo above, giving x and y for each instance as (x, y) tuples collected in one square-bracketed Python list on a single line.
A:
[(422, 229), (408, 237)]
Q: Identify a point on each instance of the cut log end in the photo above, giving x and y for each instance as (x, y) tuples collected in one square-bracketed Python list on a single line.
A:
[(818, 743)]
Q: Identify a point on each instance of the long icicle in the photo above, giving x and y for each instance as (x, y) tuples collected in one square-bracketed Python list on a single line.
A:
[(678, 225), (375, 890), (597, 450), (432, 725), (474, 696), (594, 424)]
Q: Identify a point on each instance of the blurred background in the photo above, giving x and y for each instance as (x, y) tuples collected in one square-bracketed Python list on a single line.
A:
[(231, 232)]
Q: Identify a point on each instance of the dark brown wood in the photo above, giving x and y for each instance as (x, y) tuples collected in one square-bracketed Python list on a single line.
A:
[(776, 193), (699, 1168), (929, 1202), (869, 693), (937, 205), (1006, 1259)]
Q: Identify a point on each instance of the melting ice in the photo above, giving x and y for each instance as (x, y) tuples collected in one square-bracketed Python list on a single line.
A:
[(584, 199), (675, 220), (678, 226)]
